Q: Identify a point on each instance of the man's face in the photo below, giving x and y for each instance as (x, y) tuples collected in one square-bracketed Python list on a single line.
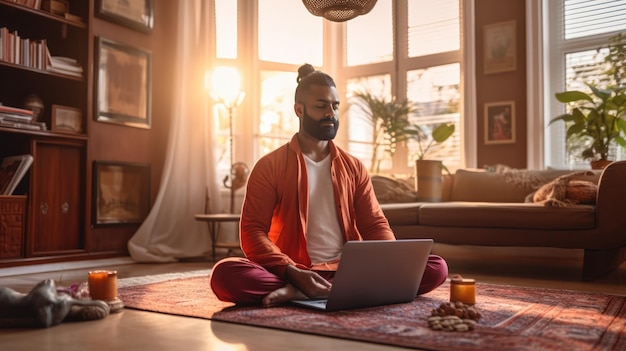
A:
[(318, 112)]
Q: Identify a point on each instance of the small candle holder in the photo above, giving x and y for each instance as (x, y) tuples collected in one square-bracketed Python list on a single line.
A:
[(103, 286), (463, 290)]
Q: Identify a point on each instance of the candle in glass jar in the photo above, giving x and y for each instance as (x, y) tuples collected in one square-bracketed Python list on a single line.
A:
[(103, 285), (463, 290)]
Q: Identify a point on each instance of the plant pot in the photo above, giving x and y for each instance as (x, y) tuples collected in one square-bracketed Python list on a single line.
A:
[(600, 164), (429, 180)]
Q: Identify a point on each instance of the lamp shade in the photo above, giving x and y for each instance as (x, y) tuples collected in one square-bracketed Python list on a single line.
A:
[(339, 10), (225, 86)]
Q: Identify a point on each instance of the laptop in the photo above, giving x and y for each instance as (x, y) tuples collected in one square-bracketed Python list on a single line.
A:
[(375, 273)]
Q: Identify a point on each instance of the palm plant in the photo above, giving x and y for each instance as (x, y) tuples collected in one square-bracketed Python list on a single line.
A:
[(391, 125), (390, 122)]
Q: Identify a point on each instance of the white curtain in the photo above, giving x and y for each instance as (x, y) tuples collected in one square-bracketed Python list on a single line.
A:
[(170, 231)]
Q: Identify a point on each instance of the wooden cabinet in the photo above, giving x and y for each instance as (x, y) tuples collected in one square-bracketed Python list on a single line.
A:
[(55, 187), (57, 191), (57, 200)]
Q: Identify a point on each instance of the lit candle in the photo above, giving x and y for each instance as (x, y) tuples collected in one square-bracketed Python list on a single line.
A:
[(463, 290), (103, 285)]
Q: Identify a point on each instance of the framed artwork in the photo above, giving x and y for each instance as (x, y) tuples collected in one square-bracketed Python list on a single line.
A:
[(123, 84), (500, 47), (121, 192), (500, 122), (135, 14), (66, 120)]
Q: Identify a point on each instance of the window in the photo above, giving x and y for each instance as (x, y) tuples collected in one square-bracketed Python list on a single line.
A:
[(370, 37), (436, 90), (280, 54), (288, 33), (434, 27), (277, 122), (579, 32), (425, 69), (361, 132), (416, 56)]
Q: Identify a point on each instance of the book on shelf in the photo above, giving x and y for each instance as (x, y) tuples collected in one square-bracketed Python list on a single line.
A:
[(8, 123), (15, 117), (57, 7), (10, 111), (66, 63), (33, 4), (63, 65), (12, 170), (35, 54), (73, 18), (21, 51), (64, 71)]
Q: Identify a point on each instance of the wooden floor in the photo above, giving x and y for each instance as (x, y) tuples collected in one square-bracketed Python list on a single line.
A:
[(135, 330)]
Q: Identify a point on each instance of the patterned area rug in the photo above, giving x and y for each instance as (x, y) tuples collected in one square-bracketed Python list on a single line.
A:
[(513, 318)]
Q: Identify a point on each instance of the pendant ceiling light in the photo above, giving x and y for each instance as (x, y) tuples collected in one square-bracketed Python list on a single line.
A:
[(339, 10)]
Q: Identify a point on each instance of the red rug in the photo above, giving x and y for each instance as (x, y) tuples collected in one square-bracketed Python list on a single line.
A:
[(513, 318)]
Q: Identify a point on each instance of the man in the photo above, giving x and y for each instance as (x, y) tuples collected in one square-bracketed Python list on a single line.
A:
[(303, 201)]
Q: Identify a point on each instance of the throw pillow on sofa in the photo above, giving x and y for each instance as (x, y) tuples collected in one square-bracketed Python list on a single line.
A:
[(566, 190), (389, 190)]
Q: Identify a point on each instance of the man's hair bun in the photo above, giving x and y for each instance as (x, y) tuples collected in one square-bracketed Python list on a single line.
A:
[(304, 71)]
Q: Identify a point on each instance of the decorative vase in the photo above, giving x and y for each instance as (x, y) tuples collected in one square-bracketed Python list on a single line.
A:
[(34, 103), (429, 180), (600, 164)]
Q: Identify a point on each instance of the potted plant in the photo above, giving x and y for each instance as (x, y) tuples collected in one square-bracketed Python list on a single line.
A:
[(390, 122), (428, 179), (597, 120)]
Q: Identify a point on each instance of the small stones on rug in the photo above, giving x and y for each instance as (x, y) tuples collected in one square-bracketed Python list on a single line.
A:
[(454, 316)]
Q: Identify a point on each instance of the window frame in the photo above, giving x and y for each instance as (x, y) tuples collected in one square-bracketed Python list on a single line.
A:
[(251, 67), (547, 50)]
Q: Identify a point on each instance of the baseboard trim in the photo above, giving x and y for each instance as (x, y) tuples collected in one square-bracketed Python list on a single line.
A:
[(61, 266)]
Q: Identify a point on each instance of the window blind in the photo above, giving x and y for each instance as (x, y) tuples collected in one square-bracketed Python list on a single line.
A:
[(590, 17)]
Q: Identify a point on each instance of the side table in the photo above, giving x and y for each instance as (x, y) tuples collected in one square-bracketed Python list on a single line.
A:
[(213, 220)]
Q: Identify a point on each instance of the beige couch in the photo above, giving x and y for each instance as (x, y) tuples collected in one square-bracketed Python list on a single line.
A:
[(490, 209)]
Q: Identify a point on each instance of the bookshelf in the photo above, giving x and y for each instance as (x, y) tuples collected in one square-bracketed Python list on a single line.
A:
[(55, 188)]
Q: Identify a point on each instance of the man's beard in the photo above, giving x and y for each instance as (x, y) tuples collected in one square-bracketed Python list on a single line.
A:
[(317, 130)]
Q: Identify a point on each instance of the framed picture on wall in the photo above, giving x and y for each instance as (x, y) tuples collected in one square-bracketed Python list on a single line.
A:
[(500, 122), (500, 47), (123, 84), (121, 192), (135, 14)]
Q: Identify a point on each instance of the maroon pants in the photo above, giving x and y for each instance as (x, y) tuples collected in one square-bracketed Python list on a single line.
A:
[(239, 280)]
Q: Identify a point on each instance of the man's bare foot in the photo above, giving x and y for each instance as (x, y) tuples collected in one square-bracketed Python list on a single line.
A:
[(282, 295)]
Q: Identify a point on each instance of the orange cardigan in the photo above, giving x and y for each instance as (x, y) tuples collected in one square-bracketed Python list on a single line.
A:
[(274, 214)]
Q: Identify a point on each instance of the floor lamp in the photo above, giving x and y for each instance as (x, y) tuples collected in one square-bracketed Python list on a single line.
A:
[(226, 91)]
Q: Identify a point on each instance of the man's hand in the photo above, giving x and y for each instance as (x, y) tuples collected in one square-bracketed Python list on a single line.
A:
[(308, 282)]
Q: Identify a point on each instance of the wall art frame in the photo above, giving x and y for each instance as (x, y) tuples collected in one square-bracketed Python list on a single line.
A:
[(120, 193), (65, 119), (500, 43), (500, 122), (123, 84), (134, 14)]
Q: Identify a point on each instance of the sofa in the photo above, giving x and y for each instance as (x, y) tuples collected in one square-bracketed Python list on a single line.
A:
[(499, 208)]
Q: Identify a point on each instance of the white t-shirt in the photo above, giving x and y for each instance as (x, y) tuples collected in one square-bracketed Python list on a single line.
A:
[(324, 238)]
